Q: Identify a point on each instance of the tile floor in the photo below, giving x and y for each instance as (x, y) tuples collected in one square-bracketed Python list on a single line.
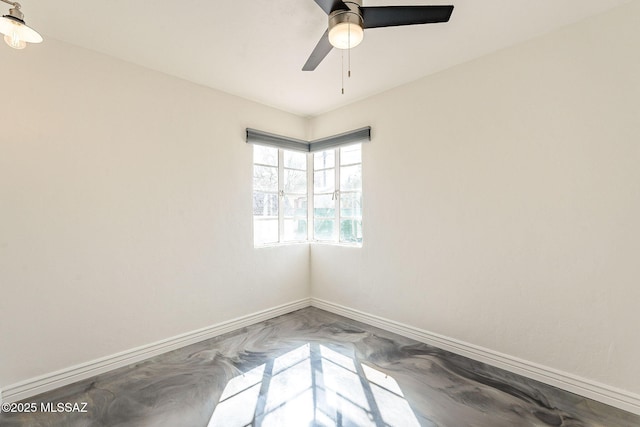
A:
[(314, 368)]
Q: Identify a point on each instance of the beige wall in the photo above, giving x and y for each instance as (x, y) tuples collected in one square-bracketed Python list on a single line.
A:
[(502, 202), (125, 210)]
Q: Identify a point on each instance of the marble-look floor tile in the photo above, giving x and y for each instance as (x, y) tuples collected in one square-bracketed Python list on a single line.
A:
[(313, 368)]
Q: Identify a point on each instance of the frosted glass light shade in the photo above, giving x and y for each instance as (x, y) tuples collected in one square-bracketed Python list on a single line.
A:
[(17, 34), (345, 35), (15, 42)]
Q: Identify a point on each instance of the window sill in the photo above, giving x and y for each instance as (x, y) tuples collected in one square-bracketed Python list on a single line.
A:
[(311, 242), (341, 244), (276, 245)]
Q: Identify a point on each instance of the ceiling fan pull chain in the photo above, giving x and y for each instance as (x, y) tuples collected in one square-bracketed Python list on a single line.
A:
[(349, 47), (342, 69)]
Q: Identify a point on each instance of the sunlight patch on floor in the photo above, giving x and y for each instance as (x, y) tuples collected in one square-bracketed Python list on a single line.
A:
[(313, 385)]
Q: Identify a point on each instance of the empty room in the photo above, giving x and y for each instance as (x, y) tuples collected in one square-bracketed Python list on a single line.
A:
[(320, 213)]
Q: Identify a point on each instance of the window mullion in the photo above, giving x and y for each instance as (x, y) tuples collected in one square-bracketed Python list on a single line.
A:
[(337, 195), (280, 195), (310, 198)]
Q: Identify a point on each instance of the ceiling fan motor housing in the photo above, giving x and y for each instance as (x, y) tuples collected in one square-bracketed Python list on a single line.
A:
[(346, 21)]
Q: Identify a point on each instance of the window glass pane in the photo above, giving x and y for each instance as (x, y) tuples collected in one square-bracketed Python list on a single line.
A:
[(351, 204), (295, 206), (265, 204), (324, 206), (265, 155), (295, 181), (324, 181), (323, 229), (295, 160), (324, 159), (351, 230), (265, 178), (351, 177), (265, 231), (351, 154), (295, 229)]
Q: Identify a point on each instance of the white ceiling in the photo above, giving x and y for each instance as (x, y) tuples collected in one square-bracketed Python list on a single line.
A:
[(256, 48)]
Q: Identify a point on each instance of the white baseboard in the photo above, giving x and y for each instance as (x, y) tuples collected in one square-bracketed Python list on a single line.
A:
[(43, 383), (584, 387), (594, 390)]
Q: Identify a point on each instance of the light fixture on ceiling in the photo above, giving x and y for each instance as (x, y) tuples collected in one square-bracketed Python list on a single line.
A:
[(16, 33), (346, 29), (348, 19)]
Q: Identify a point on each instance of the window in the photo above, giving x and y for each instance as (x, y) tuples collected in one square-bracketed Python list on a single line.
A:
[(265, 195), (282, 190), (324, 195), (279, 196), (350, 200), (337, 195), (294, 197)]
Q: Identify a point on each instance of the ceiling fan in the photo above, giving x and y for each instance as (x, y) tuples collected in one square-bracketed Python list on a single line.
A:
[(348, 20)]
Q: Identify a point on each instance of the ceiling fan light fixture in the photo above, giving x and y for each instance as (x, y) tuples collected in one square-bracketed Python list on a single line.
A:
[(346, 35), (16, 33), (346, 28), (348, 20)]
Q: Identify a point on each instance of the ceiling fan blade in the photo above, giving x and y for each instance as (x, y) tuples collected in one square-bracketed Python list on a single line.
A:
[(321, 50), (392, 16), (330, 5)]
